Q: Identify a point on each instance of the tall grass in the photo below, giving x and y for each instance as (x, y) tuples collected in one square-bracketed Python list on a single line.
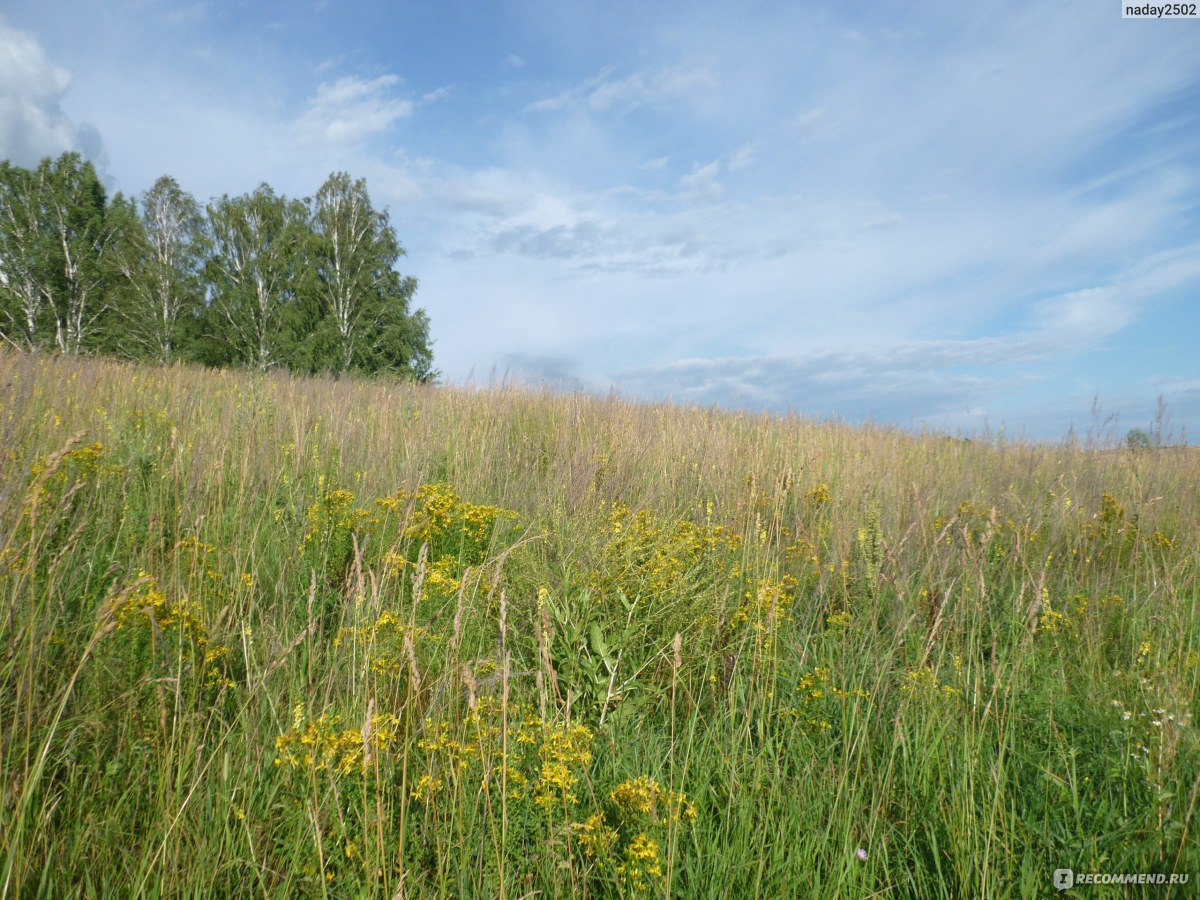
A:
[(264, 635)]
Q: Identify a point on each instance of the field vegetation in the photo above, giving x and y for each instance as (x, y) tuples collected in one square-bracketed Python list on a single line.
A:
[(269, 635)]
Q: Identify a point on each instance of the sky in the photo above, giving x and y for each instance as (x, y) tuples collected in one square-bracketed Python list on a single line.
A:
[(973, 217)]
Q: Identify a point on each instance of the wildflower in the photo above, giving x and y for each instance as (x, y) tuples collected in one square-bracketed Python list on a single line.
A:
[(555, 781), (840, 619), (819, 495), (641, 862), (861, 853), (426, 788), (595, 836), (643, 796)]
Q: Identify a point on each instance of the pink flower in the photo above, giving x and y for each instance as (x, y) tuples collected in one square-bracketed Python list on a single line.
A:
[(861, 854)]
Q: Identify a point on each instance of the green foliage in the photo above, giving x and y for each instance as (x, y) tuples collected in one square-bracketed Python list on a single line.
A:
[(258, 281), (54, 238), (255, 269), (158, 254), (360, 302), (1136, 439)]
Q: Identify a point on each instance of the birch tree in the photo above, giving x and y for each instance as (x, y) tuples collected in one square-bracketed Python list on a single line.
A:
[(160, 255), (24, 306), (255, 266), (362, 302), (73, 212)]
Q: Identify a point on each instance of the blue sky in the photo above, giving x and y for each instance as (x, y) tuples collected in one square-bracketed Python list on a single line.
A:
[(938, 215)]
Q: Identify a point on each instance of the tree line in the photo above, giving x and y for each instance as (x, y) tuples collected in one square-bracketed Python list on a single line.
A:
[(257, 280)]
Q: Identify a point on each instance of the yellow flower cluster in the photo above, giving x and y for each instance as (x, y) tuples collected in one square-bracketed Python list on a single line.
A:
[(564, 748), (86, 459), (814, 696), (324, 744), (922, 681), (843, 620), (1145, 650), (640, 803), (385, 642), (75, 465), (647, 556), (641, 863), (1065, 620), (595, 836), (545, 759), (439, 511), (426, 788), (644, 796), (818, 495), (767, 603), (456, 531), (149, 605), (335, 514)]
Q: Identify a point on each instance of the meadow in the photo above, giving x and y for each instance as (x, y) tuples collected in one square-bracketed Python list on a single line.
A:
[(267, 635)]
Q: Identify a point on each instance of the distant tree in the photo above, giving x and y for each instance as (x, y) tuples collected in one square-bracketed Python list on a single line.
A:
[(362, 320), (24, 298), (254, 269), (159, 254), (73, 211), (1137, 439)]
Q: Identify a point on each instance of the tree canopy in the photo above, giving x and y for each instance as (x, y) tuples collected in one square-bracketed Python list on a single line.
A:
[(258, 280)]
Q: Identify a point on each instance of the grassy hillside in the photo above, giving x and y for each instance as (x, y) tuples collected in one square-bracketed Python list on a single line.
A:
[(263, 635)]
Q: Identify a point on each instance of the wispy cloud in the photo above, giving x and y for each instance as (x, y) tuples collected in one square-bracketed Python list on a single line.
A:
[(188, 14), (603, 92), (351, 108), (437, 94), (916, 381), (742, 158), (702, 182)]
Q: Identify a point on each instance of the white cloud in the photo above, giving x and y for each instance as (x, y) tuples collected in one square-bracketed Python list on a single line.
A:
[(602, 92), (624, 91), (352, 108), (187, 15), (32, 121), (702, 181), (1089, 313), (742, 157), (810, 117), (437, 94), (917, 380)]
